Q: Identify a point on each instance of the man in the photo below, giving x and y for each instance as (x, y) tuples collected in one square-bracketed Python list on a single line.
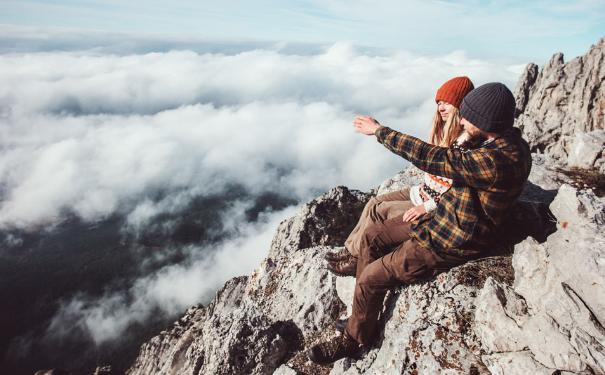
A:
[(487, 181)]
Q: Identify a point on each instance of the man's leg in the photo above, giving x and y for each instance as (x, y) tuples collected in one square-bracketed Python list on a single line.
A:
[(378, 239), (408, 264), (376, 279)]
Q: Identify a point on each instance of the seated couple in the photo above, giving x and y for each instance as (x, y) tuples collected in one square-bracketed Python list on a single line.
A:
[(476, 167)]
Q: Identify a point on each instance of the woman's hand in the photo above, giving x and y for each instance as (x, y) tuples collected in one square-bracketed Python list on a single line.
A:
[(365, 125), (414, 213)]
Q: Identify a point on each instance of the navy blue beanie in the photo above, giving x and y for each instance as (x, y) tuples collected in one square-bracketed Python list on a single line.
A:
[(490, 107)]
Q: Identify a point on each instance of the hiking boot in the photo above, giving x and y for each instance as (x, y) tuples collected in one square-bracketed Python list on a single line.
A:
[(337, 256), (341, 324), (333, 350), (346, 267)]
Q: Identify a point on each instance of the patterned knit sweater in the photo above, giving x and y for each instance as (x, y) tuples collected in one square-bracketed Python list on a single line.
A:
[(434, 187)]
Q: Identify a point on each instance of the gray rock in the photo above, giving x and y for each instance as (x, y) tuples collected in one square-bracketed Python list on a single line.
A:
[(550, 346), (586, 149), (108, 370), (345, 288), (546, 172), (285, 370), (524, 85), (516, 363), (499, 317), (599, 165), (52, 372), (565, 99), (325, 221), (425, 328), (254, 325), (411, 176), (561, 283)]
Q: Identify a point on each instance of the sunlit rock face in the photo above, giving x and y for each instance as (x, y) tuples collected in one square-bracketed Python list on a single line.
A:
[(562, 100)]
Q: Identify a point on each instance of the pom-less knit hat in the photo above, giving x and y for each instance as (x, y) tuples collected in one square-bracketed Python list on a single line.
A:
[(454, 90), (490, 107)]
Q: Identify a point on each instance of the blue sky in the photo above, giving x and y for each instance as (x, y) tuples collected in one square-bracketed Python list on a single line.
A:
[(510, 29)]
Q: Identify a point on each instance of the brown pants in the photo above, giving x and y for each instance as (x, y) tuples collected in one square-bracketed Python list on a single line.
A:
[(378, 209), (379, 268)]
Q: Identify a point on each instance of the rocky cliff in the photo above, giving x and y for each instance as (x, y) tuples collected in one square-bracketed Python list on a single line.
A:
[(563, 101), (539, 310)]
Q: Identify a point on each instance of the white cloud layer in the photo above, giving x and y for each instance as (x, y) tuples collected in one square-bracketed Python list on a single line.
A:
[(94, 134)]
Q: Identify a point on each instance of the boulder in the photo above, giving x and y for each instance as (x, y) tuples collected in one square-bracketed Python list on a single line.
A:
[(555, 308), (587, 149)]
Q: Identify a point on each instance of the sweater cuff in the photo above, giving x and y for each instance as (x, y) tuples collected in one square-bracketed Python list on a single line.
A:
[(430, 205)]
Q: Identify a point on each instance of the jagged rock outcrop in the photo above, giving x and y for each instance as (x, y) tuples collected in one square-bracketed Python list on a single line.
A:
[(334, 214), (261, 323), (555, 312), (562, 100)]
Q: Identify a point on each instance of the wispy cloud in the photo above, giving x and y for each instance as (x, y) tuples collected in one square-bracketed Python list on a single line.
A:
[(499, 29), (171, 290)]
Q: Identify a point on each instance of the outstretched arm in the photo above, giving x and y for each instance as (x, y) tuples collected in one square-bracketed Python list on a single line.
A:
[(472, 168)]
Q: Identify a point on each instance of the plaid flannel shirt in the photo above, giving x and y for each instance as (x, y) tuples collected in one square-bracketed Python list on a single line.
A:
[(494, 174)]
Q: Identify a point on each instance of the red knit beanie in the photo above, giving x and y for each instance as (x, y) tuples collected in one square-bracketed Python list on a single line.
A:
[(454, 90)]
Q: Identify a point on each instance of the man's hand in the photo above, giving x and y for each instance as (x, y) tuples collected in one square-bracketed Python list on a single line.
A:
[(414, 213), (365, 125)]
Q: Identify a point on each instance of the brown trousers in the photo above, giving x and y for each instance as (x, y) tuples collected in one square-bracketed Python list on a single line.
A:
[(378, 209), (380, 267)]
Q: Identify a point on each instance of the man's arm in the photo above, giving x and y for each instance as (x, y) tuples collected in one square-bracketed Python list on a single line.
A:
[(473, 168)]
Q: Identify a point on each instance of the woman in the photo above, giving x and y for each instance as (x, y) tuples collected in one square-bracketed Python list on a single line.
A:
[(411, 203)]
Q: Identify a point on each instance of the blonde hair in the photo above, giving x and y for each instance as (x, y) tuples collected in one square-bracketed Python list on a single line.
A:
[(444, 133)]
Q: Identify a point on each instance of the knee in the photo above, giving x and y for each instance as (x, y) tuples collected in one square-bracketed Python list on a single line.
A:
[(369, 237), (371, 283), (371, 203), (364, 281)]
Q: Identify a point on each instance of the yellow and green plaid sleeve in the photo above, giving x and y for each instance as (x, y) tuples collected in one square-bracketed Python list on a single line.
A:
[(473, 168)]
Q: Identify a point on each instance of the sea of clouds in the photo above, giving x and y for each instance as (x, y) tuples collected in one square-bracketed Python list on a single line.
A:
[(92, 133)]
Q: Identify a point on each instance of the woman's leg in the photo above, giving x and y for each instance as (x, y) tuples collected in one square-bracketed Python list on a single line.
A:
[(379, 208)]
